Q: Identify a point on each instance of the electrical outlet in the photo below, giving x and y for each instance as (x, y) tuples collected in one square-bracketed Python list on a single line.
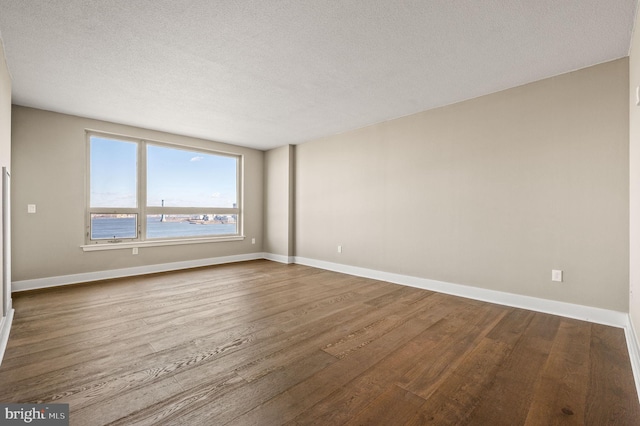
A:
[(339, 249), (134, 250), (31, 208), (556, 275), (253, 241)]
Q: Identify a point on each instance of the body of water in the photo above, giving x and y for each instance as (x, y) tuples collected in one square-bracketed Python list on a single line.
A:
[(125, 227)]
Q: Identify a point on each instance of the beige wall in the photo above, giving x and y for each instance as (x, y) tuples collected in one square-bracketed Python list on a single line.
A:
[(494, 192), (278, 207), (5, 142), (634, 185), (49, 163)]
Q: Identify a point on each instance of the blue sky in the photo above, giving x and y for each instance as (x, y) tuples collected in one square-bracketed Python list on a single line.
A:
[(182, 178)]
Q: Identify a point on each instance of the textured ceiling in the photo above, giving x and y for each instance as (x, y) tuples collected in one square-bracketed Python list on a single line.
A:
[(267, 73)]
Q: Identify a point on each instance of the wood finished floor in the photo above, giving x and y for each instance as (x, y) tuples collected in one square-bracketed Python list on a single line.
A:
[(260, 343)]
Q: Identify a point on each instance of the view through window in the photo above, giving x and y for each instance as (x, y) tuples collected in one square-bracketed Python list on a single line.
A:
[(140, 190)]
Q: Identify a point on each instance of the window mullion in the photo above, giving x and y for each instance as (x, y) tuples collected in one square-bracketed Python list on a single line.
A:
[(240, 195), (191, 210), (142, 190)]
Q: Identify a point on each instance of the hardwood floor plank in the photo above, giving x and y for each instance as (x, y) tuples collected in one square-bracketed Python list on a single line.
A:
[(454, 400), (86, 373), (512, 326), (560, 395), (264, 343), (131, 309), (195, 402), (612, 397), (295, 400), (310, 335), (400, 292), (359, 338), (170, 410), (206, 350), (458, 339), (126, 403), (427, 349), (508, 399), (114, 291), (216, 315), (143, 313), (22, 384), (259, 367), (393, 407)]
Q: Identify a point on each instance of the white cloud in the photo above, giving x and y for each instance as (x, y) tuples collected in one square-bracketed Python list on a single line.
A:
[(193, 159), (215, 195)]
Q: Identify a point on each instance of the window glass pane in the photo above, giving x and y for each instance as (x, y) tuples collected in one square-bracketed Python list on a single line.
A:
[(190, 179), (197, 225), (113, 226), (113, 168)]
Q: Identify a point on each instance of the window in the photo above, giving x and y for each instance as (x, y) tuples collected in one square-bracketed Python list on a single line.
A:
[(142, 191)]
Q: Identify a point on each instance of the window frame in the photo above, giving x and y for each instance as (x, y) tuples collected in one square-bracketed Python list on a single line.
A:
[(142, 210)]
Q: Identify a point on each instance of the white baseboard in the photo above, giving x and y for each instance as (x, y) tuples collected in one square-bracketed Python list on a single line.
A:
[(5, 329), (633, 344), (569, 310), (585, 313), (128, 272), (279, 258)]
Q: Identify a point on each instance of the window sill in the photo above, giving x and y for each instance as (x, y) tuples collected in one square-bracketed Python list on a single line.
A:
[(159, 243)]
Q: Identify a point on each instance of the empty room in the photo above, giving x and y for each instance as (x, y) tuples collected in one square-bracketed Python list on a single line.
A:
[(341, 212)]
